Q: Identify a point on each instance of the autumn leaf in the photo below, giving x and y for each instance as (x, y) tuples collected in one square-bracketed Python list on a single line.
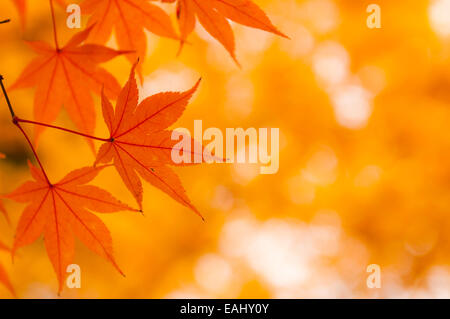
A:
[(2, 207), (4, 279), (61, 211), (3, 211), (213, 15), (139, 143), (129, 18), (21, 6), (66, 76)]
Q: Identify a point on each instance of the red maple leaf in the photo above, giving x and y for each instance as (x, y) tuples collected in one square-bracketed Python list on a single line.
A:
[(128, 18), (2, 207), (213, 15), (139, 142), (21, 6), (3, 210), (61, 211), (66, 76), (4, 279)]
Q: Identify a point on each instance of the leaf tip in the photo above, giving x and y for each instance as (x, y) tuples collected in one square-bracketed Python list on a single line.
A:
[(119, 270), (196, 85), (281, 34)]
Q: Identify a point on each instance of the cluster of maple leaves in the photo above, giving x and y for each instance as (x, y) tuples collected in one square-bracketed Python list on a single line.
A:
[(139, 145)]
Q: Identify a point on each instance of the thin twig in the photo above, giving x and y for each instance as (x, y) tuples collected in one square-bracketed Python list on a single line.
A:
[(65, 130), (6, 97), (17, 123), (32, 148)]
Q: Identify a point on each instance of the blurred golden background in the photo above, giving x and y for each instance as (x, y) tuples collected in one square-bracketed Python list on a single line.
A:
[(364, 152)]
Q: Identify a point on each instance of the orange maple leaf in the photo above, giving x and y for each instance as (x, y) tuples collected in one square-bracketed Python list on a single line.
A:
[(3, 211), (2, 207), (67, 76), (4, 279), (61, 211), (129, 18), (213, 15), (21, 6), (139, 142)]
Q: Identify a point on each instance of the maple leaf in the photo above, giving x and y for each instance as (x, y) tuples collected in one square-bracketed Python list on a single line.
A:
[(61, 211), (213, 15), (129, 18), (4, 279), (67, 76), (21, 6), (2, 207), (3, 211), (139, 142)]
